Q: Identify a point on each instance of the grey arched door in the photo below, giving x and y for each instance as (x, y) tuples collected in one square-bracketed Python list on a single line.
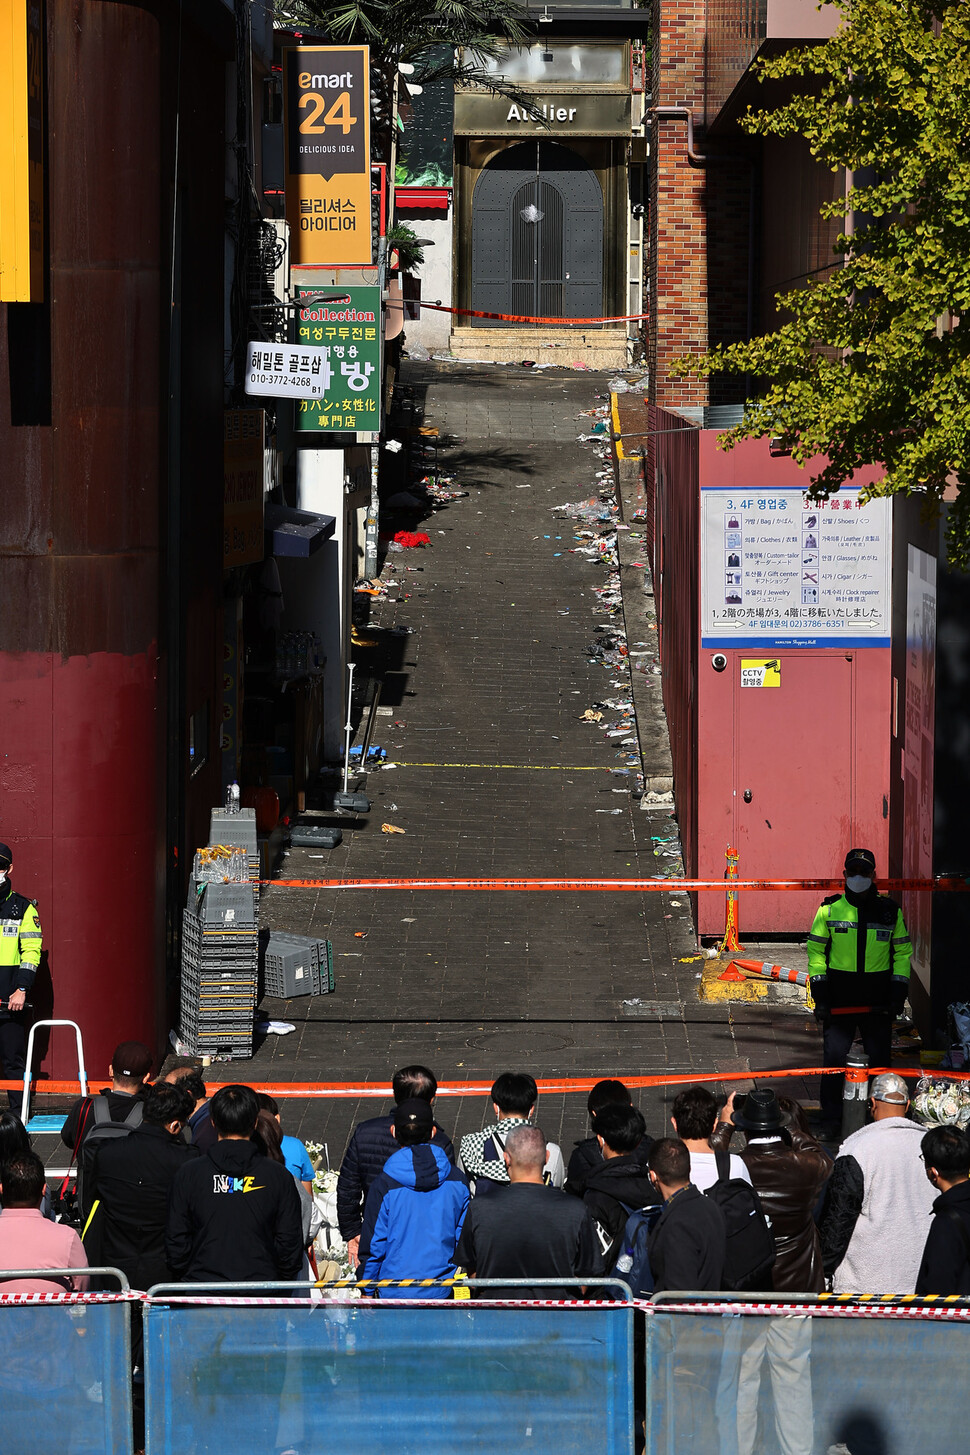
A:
[(537, 234)]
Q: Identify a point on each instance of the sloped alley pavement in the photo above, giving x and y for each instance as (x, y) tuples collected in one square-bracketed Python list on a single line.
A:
[(498, 775)]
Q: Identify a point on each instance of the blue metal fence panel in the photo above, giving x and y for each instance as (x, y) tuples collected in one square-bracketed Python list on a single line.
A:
[(357, 1378), (730, 1384), (65, 1378)]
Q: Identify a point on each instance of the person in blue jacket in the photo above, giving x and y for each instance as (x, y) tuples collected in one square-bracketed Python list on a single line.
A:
[(415, 1209)]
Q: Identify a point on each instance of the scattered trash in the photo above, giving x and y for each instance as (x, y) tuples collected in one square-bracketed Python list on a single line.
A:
[(409, 920), (390, 828), (361, 934), (274, 1028)]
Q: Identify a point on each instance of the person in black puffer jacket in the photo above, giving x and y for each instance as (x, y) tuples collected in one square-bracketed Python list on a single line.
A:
[(371, 1143), (586, 1155), (622, 1182)]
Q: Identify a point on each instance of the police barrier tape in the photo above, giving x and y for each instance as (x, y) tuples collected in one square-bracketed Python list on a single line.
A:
[(555, 1086), (944, 883), (529, 317)]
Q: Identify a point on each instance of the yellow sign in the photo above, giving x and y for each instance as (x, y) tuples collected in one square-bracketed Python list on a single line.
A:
[(242, 515), (760, 672), (326, 113), (21, 151)]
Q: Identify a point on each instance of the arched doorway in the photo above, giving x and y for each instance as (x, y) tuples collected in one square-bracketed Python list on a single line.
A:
[(537, 234)]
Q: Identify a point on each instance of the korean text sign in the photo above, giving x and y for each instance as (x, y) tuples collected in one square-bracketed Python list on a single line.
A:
[(351, 332), (287, 371), (780, 570), (326, 111)]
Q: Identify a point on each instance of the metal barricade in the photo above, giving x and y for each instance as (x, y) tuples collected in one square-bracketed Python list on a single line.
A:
[(263, 1367), (65, 1366), (739, 1374)]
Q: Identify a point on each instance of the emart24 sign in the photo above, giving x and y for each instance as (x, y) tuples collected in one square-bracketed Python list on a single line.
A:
[(326, 113)]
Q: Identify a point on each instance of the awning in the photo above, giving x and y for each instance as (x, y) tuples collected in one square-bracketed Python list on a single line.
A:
[(423, 199)]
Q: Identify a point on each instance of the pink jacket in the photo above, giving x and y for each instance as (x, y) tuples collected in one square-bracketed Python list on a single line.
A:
[(29, 1240)]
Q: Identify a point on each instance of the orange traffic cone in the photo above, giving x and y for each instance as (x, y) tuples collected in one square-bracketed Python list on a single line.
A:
[(766, 971), (731, 973)]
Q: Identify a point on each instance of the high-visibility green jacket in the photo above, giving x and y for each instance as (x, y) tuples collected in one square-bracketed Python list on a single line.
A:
[(859, 950), (20, 944)]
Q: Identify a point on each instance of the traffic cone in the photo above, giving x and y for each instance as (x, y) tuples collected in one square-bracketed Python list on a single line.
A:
[(731, 973), (766, 971)]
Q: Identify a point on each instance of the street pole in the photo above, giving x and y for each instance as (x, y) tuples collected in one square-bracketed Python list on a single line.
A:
[(372, 521)]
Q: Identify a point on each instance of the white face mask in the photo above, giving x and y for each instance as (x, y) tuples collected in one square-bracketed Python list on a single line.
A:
[(3, 877), (858, 883)]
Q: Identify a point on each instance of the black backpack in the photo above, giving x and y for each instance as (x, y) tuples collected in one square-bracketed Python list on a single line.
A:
[(750, 1253), (633, 1260), (104, 1130)]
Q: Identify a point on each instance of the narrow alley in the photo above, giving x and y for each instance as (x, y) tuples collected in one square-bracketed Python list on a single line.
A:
[(498, 774)]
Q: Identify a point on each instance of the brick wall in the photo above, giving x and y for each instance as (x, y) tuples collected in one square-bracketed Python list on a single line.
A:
[(699, 220)]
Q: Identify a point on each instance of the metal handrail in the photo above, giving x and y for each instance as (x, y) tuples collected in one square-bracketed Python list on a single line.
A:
[(6, 1274), (28, 1069), (160, 1292)]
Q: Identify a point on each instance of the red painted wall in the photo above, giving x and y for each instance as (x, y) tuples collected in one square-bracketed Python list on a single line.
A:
[(814, 753)]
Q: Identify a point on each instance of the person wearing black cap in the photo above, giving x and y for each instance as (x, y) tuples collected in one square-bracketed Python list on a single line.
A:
[(415, 1209), (859, 956), (20, 947)]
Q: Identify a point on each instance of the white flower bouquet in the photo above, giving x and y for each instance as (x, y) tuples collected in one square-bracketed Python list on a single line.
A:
[(942, 1103), (329, 1248)]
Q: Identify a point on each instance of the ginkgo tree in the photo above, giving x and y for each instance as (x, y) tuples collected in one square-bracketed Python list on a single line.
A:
[(871, 364)]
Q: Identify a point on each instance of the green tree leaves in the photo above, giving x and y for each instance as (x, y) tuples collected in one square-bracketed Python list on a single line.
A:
[(872, 364)]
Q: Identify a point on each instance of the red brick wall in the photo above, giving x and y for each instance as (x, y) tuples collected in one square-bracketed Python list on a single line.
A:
[(699, 216), (678, 252)]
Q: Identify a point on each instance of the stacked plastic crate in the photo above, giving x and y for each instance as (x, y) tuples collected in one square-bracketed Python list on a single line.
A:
[(220, 955), (295, 965), (236, 828)]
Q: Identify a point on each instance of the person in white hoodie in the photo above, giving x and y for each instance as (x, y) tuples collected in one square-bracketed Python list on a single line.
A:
[(877, 1205)]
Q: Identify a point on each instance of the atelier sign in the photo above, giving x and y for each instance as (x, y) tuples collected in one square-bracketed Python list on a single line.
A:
[(326, 116), (601, 113)]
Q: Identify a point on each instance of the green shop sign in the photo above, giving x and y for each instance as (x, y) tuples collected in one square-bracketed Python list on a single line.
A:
[(350, 334)]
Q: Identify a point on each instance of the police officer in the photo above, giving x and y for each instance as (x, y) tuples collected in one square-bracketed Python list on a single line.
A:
[(858, 955), (20, 947)]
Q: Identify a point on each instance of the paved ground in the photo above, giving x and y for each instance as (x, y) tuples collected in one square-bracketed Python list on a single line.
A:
[(498, 777)]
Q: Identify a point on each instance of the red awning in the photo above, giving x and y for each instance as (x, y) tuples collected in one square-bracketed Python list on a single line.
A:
[(426, 199)]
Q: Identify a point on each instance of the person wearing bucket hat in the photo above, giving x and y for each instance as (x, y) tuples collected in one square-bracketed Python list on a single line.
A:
[(859, 956), (20, 950)]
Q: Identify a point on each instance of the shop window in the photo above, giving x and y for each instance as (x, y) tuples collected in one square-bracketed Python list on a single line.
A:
[(560, 64)]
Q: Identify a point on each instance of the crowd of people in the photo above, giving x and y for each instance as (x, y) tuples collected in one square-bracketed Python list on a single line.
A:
[(175, 1186)]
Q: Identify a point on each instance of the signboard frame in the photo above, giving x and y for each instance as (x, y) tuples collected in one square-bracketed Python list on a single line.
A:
[(780, 571), (326, 144), (243, 450), (354, 335)]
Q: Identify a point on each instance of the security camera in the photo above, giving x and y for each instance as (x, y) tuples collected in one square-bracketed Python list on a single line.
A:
[(719, 661)]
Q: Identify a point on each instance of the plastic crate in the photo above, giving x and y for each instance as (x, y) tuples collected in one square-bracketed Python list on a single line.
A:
[(235, 829), (227, 906), (296, 965)]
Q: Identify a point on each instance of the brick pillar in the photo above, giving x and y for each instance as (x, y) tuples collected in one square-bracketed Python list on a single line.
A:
[(678, 213)]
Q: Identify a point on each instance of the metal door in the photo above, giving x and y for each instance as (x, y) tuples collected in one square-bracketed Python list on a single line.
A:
[(537, 235), (793, 785)]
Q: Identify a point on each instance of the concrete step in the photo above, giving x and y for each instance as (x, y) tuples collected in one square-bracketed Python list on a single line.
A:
[(598, 348)]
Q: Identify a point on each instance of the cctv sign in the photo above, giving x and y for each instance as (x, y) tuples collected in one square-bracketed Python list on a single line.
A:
[(326, 112)]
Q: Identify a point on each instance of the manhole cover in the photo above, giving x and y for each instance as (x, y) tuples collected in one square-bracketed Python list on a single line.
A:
[(655, 1009), (517, 1042)]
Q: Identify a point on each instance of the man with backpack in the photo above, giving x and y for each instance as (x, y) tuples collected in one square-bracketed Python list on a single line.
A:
[(688, 1244), (621, 1184), (106, 1115)]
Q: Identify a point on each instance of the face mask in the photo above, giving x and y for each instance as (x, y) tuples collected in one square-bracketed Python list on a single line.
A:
[(858, 883), (3, 877)]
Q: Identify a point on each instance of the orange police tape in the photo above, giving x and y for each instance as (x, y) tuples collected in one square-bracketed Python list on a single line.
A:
[(635, 886), (556, 1086), (528, 317)]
